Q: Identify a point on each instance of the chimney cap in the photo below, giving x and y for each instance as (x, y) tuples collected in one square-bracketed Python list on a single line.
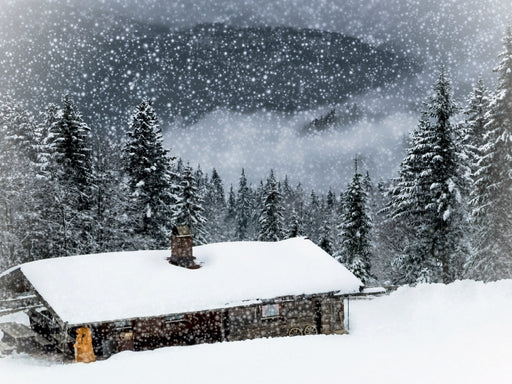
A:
[(181, 230)]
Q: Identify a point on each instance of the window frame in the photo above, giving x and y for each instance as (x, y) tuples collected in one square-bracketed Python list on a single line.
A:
[(276, 309)]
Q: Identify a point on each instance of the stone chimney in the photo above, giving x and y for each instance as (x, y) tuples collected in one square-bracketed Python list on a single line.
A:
[(181, 247)]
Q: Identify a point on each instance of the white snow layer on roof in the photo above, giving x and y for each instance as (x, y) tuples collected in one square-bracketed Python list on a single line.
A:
[(110, 286)]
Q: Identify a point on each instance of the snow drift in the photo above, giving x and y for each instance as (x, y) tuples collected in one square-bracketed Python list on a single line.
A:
[(459, 333)]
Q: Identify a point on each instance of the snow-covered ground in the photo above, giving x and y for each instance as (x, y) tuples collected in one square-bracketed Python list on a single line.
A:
[(458, 333)]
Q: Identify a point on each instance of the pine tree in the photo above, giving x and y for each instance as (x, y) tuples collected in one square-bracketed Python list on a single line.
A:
[(408, 199), (288, 196), (326, 237), (231, 204), (474, 125), (331, 201), (73, 181), (148, 170), (370, 191), (429, 194), (295, 226), (17, 158), (47, 241), (70, 140), (202, 184), (387, 235), (229, 219), (110, 197), (295, 220), (243, 209), (215, 208), (271, 217), (356, 249), (314, 218), (492, 197), (189, 208), (217, 196)]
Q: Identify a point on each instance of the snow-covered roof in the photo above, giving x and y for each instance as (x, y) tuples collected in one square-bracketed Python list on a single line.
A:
[(122, 285)]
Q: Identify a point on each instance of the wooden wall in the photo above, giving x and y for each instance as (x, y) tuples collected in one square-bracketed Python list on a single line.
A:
[(323, 313)]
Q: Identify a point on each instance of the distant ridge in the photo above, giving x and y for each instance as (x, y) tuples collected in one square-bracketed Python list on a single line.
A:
[(108, 65)]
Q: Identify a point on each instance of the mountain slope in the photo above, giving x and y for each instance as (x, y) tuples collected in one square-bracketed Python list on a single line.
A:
[(109, 62)]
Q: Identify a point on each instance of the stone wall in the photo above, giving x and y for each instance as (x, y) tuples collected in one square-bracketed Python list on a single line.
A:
[(322, 313)]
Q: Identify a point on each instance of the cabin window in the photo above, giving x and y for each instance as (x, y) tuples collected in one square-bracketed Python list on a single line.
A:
[(124, 324), (174, 318), (270, 310)]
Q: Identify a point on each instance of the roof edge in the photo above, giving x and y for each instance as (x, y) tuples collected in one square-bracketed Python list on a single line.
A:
[(245, 303)]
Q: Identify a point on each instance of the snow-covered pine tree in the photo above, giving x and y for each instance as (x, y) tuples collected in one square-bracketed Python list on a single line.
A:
[(216, 190), (289, 200), (70, 139), (474, 125), (330, 201), (271, 217), (341, 203), (370, 191), (331, 209), (178, 167), (72, 181), (202, 183), (313, 218), (294, 209), (491, 200), (229, 219), (258, 200), (215, 208), (408, 199), (111, 197), (189, 209), (295, 225), (17, 156), (326, 237), (148, 170), (244, 206), (387, 237), (45, 187), (429, 194), (355, 250), (450, 185), (231, 204), (474, 130)]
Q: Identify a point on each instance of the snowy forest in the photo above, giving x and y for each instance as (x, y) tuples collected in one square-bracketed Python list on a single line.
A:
[(68, 189), (102, 105)]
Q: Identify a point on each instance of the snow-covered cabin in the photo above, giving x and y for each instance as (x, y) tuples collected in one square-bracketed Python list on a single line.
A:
[(138, 300)]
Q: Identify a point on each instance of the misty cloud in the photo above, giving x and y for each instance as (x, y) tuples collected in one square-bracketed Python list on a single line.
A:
[(261, 141)]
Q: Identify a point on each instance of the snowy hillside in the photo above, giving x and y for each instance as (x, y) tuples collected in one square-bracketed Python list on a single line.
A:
[(457, 333)]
